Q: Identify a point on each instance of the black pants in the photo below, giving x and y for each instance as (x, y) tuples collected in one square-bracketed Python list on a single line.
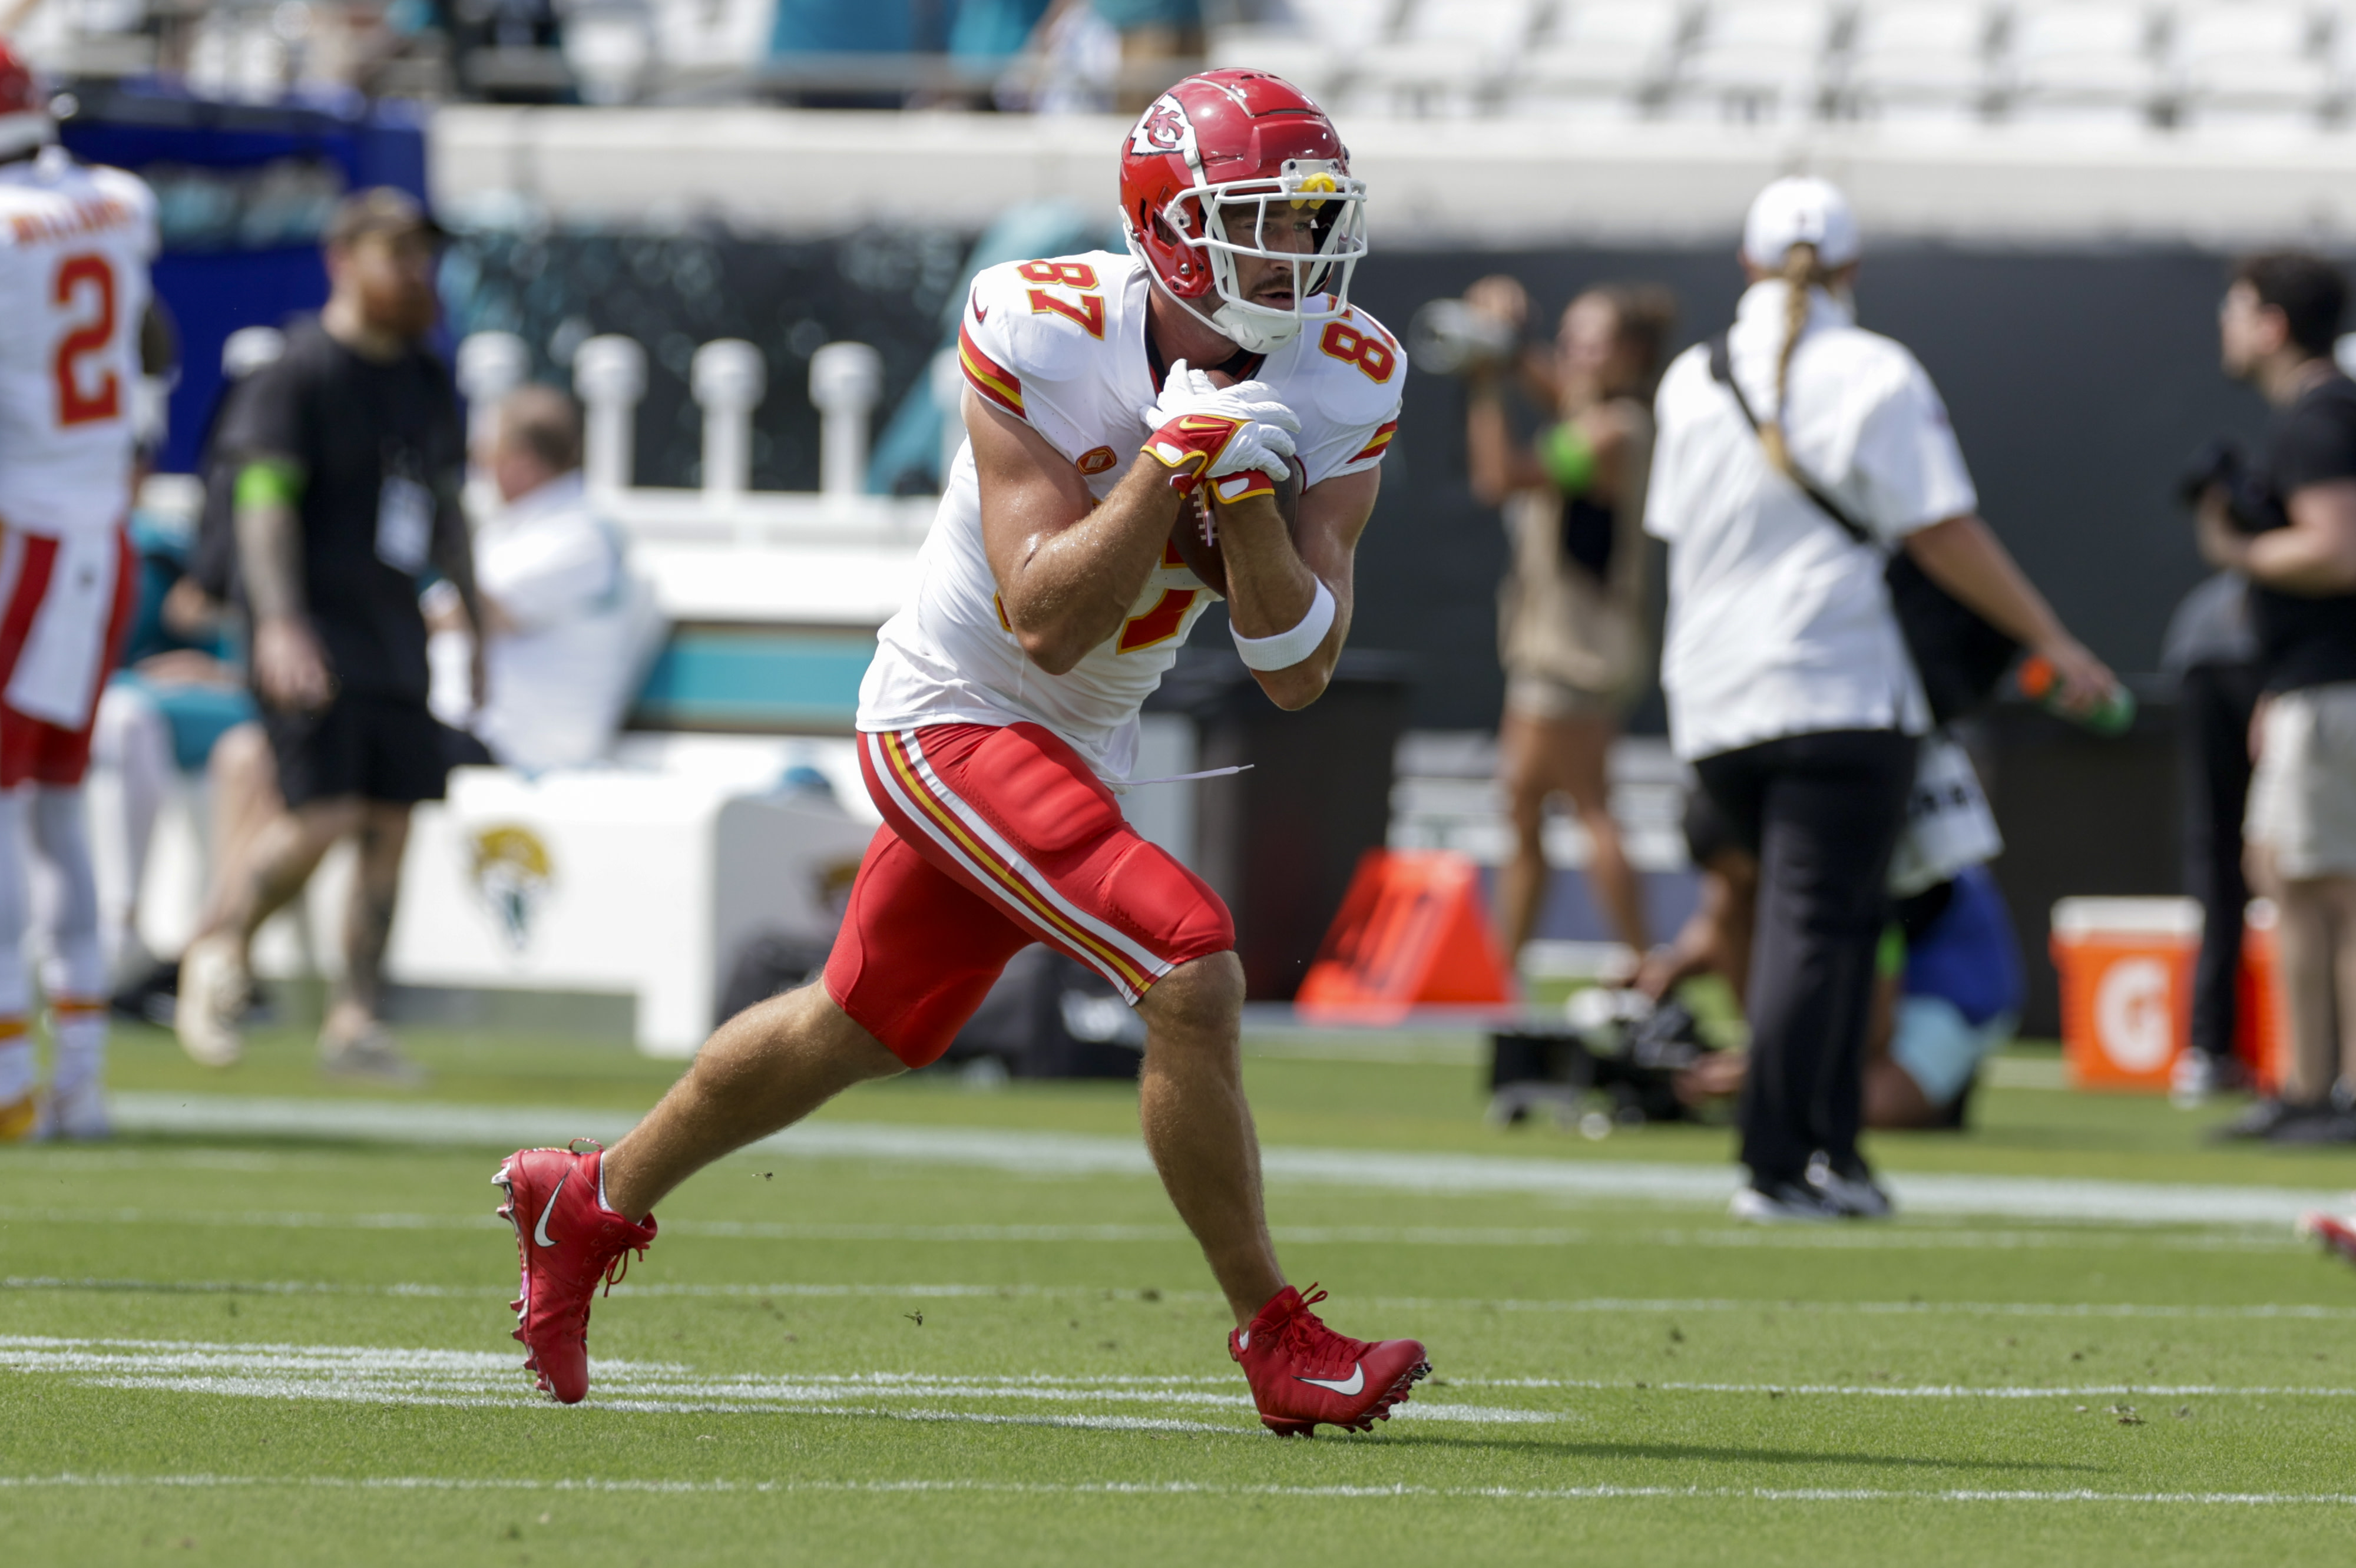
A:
[(1823, 812), (2212, 759)]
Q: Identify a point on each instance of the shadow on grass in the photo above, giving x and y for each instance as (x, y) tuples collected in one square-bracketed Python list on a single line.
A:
[(1709, 1454)]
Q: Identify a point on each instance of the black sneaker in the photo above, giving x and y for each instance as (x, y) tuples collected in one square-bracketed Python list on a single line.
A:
[(2328, 1126), (1851, 1186), (2268, 1118), (1784, 1203)]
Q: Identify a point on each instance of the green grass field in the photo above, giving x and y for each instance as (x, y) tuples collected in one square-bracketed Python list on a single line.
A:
[(248, 1349)]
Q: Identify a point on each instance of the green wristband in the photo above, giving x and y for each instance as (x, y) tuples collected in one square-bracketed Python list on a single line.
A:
[(1569, 457), (1889, 953), (269, 482)]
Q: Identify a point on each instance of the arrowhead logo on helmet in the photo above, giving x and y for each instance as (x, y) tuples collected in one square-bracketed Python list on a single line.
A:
[(1209, 170)]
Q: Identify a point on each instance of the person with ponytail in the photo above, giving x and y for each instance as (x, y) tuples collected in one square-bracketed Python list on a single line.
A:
[(1792, 458)]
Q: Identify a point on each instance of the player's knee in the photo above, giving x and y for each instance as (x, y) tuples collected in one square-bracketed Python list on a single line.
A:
[(742, 1056), (1203, 996)]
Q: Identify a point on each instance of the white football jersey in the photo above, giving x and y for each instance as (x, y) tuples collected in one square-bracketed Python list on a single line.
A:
[(75, 244), (1061, 345)]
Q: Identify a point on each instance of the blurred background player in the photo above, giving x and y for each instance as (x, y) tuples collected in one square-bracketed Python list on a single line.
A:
[(1129, 418), (567, 630), (2294, 540), (1790, 687), (180, 707), (350, 457), (1570, 610), (76, 332)]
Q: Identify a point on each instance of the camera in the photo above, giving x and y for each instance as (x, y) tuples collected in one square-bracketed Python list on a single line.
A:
[(2222, 464), (1449, 337)]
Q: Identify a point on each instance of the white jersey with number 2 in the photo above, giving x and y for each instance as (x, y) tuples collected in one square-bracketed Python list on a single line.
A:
[(75, 244), (1060, 344)]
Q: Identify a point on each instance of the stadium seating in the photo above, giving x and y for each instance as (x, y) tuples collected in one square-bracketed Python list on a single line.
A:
[(2069, 67), (2255, 63), (1755, 62), (1601, 59), (1924, 61)]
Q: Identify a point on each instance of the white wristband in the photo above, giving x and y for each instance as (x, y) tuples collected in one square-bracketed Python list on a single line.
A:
[(1287, 649)]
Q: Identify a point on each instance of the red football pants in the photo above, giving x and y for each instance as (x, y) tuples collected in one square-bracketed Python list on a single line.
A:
[(993, 839)]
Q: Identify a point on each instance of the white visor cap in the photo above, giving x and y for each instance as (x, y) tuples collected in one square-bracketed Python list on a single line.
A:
[(1800, 210)]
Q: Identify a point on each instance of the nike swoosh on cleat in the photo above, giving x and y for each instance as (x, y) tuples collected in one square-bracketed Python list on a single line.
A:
[(981, 311), (1355, 1383), (539, 1231)]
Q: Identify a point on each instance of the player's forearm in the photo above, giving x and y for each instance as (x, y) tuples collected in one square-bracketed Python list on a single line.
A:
[(270, 559), (1269, 587), (1072, 587), (1272, 590)]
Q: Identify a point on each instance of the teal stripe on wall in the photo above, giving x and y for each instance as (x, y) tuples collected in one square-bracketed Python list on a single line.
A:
[(756, 679)]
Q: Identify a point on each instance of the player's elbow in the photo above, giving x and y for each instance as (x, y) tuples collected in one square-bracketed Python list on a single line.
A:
[(1052, 649), (1296, 686)]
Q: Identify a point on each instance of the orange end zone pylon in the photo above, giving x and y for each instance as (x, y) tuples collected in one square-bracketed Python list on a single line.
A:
[(1411, 933)]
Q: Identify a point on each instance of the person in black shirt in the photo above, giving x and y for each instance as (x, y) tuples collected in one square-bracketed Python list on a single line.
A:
[(2294, 536), (351, 455)]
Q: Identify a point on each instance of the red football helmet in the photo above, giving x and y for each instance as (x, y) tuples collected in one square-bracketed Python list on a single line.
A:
[(1232, 142), (24, 122)]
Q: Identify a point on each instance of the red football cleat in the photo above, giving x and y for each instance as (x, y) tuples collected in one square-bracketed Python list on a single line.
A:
[(568, 1242), (2336, 1235), (1302, 1372)]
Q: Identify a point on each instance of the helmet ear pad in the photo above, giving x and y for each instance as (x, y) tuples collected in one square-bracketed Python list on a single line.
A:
[(1187, 273)]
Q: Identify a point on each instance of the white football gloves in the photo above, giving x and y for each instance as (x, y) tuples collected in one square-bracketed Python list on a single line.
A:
[(1241, 434)]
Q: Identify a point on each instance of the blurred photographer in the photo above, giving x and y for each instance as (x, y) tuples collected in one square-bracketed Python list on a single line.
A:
[(1947, 974), (1570, 612), (2290, 526)]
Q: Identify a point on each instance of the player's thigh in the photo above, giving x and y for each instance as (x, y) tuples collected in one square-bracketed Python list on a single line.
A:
[(1016, 816), (918, 952)]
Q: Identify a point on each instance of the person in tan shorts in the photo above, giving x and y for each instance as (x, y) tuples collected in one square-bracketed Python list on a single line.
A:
[(2294, 538), (1570, 612)]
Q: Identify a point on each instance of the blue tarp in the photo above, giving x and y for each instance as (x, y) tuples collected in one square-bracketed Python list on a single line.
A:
[(242, 190)]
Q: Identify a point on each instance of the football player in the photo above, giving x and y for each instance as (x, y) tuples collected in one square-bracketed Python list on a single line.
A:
[(1132, 421), (76, 333)]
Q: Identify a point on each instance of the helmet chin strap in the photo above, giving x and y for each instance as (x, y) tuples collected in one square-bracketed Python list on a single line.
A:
[(1252, 333)]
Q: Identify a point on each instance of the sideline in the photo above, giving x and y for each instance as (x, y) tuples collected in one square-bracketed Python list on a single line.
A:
[(1201, 1490), (1073, 1154)]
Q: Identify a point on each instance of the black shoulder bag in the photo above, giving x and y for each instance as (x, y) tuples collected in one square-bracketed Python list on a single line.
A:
[(1959, 654)]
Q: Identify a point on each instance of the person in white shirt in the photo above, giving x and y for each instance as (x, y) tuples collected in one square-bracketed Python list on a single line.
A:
[(1788, 680), (566, 627)]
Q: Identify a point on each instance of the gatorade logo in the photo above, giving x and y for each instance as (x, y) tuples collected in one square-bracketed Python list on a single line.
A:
[(2132, 1017)]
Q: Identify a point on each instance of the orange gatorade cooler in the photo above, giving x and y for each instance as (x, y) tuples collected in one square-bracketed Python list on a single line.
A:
[(2126, 988)]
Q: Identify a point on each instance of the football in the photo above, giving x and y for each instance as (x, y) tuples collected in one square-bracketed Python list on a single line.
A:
[(1198, 545)]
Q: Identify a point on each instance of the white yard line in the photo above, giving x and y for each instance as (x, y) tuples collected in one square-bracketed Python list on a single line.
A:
[(1072, 1153), (1901, 1238), (921, 1291), (368, 1374), (1606, 1493)]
